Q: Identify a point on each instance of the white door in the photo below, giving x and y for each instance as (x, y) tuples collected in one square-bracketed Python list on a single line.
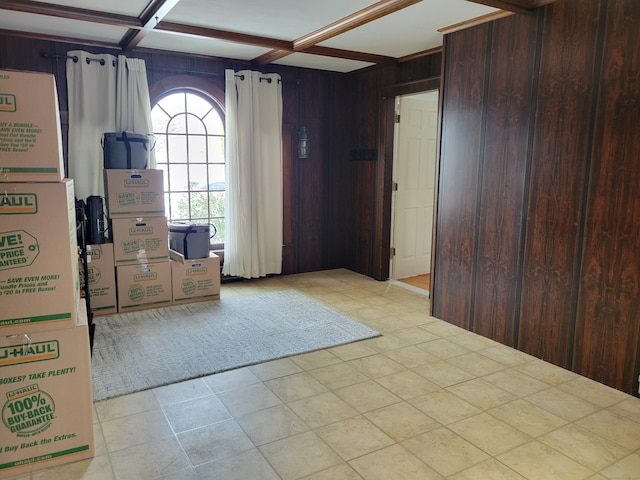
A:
[(414, 173)]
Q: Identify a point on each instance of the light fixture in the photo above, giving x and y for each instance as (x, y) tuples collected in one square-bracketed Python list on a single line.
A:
[(303, 143)]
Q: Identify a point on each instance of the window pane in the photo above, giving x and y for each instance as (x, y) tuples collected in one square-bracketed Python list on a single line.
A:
[(199, 207), (214, 123), (197, 105), (179, 206), (195, 125), (216, 149), (178, 177), (216, 204), (197, 149), (173, 103), (178, 124), (198, 176), (216, 177), (177, 148)]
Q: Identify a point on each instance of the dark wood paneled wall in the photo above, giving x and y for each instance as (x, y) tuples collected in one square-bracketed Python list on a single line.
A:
[(538, 239)]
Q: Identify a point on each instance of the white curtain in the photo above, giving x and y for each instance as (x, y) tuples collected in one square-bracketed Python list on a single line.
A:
[(253, 208), (105, 94)]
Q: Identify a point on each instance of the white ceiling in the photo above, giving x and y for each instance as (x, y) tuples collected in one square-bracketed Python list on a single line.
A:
[(408, 31)]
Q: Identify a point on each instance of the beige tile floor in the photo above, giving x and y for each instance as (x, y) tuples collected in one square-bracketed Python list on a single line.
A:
[(426, 400)]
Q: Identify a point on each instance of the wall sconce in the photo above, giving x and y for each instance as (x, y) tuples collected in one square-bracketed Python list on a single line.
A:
[(303, 143)]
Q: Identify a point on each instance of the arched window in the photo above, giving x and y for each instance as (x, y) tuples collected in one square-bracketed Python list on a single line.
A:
[(189, 130)]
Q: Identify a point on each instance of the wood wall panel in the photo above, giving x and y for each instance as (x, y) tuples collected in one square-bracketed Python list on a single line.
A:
[(340, 231), (608, 320), (558, 238), (561, 150), (502, 182), (289, 178), (312, 181), (364, 131), (466, 57), (289, 221)]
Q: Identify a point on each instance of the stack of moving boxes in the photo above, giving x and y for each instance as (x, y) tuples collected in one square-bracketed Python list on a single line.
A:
[(148, 274), (45, 367), (138, 226)]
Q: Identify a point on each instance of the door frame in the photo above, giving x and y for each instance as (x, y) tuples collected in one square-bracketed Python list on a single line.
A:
[(384, 170)]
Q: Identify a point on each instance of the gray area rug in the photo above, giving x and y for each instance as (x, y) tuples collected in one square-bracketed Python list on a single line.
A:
[(140, 350)]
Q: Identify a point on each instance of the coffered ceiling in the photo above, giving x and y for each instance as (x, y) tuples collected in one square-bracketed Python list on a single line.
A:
[(337, 35)]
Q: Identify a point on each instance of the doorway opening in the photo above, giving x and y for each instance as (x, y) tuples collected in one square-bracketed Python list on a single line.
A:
[(413, 196)]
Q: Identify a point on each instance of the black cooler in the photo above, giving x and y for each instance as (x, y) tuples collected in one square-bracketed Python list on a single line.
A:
[(190, 239), (126, 150)]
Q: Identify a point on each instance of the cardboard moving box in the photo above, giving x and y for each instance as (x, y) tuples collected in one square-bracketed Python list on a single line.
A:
[(30, 145), (194, 280), (102, 279), (143, 286), (46, 398), (140, 240), (39, 287), (134, 193)]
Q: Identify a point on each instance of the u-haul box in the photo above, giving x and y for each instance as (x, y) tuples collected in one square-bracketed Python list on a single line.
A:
[(143, 286), (194, 280), (140, 240), (45, 399), (30, 140), (39, 287), (102, 279), (134, 193)]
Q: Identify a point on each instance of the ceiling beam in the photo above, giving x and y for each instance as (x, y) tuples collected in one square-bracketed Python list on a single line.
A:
[(56, 38), (255, 40), (271, 56), (357, 19), (73, 13), (351, 55), (274, 55), (149, 18)]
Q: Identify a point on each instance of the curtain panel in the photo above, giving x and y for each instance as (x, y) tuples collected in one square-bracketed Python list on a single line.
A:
[(105, 94), (253, 208)]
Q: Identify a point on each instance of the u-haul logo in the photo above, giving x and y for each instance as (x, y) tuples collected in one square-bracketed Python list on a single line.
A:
[(197, 271), (145, 277), (18, 203), (136, 182), (7, 102), (141, 230), (29, 353)]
